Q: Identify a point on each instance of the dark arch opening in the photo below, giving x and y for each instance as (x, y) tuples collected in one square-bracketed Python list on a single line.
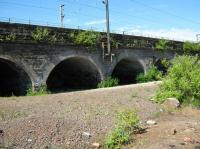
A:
[(73, 74), (13, 79), (127, 71), (159, 65)]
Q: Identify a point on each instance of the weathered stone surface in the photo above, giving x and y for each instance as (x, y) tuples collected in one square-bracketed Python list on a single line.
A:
[(39, 59)]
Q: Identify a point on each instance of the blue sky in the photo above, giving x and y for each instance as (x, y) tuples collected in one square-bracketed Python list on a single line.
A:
[(178, 19)]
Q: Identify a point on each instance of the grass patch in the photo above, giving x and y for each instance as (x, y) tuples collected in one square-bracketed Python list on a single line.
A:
[(127, 124), (9, 115), (108, 82), (42, 90)]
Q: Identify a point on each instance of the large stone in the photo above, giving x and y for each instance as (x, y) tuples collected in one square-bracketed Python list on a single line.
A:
[(96, 145), (86, 135), (151, 122), (171, 103)]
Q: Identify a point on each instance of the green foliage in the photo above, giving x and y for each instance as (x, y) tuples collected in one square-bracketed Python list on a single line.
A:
[(108, 82), (128, 123), (115, 43), (182, 81), (53, 38), (42, 90), (11, 37), (86, 38), (162, 44), (165, 63), (191, 47), (40, 34), (153, 74)]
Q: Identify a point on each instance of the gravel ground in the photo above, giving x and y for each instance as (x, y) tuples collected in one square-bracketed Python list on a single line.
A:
[(60, 120), (78, 119)]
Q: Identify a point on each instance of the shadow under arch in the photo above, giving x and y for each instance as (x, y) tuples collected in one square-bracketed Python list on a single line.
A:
[(127, 70), (13, 79), (160, 66), (74, 73)]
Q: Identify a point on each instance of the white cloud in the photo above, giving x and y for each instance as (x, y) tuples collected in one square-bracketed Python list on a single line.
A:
[(173, 33), (96, 22)]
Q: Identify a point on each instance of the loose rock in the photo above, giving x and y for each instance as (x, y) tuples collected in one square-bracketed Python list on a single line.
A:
[(174, 131), (86, 135), (95, 145), (171, 103), (188, 140), (151, 122)]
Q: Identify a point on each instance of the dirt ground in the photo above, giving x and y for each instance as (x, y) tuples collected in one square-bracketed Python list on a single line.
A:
[(78, 119)]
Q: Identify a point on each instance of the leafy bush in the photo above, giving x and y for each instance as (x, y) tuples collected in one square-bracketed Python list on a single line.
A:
[(162, 44), (42, 90), (153, 74), (40, 34), (165, 63), (108, 82), (11, 37), (86, 38), (190, 46), (182, 81), (127, 124)]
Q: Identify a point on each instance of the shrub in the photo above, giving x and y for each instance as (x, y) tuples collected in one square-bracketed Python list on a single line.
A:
[(190, 46), (153, 74), (40, 34), (86, 38), (108, 82), (182, 81), (162, 44), (11, 37), (165, 63), (127, 124), (42, 90)]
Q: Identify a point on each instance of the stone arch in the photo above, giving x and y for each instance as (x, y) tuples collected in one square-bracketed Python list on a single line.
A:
[(14, 80), (127, 69), (74, 73)]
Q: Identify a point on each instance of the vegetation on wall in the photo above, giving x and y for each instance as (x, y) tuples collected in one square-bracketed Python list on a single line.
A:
[(86, 38), (92, 39), (182, 81), (191, 47), (9, 37), (40, 34), (162, 45)]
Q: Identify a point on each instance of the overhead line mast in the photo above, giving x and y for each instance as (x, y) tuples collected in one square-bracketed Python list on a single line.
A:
[(107, 26), (62, 15)]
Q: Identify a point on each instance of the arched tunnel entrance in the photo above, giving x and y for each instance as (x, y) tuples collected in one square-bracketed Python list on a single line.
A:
[(13, 79), (127, 70), (74, 73)]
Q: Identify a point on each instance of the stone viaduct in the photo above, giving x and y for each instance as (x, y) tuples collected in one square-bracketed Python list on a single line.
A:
[(62, 67)]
